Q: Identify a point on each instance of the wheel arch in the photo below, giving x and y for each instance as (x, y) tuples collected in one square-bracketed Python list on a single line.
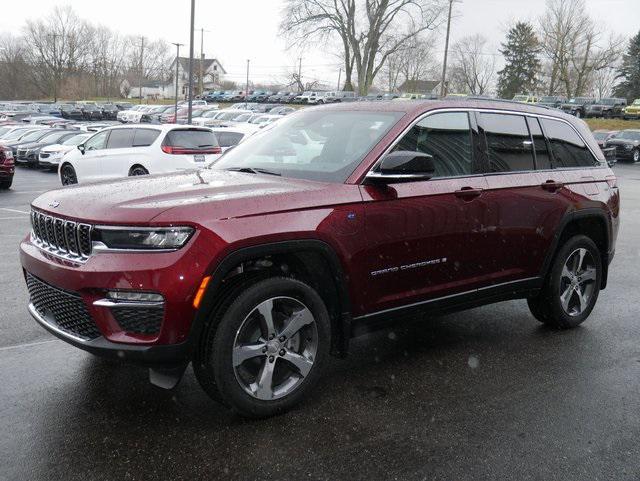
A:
[(593, 223), (312, 261)]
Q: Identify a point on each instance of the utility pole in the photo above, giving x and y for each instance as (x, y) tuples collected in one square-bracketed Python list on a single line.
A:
[(246, 91), (178, 45), (300, 74), (339, 75), (56, 66), (201, 78), (443, 85), (190, 100), (141, 69)]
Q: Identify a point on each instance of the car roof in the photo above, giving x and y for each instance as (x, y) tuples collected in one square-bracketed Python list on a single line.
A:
[(417, 107), (161, 127)]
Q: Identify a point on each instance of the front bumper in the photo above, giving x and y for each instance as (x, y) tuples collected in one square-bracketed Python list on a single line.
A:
[(171, 274)]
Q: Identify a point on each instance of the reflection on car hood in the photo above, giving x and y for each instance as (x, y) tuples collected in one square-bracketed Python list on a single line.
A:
[(214, 193)]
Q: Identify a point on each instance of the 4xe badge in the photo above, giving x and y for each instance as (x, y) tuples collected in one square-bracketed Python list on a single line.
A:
[(54, 204)]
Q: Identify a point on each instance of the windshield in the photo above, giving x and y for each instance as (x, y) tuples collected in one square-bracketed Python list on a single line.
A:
[(520, 97), (629, 135), (76, 139), (33, 136), (313, 145), (54, 137), (547, 99), (600, 135)]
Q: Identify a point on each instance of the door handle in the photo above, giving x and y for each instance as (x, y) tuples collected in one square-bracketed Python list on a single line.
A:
[(552, 185), (468, 193)]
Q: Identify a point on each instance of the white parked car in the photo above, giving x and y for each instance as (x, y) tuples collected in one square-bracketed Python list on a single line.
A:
[(219, 117), (231, 136), (129, 150), (51, 155)]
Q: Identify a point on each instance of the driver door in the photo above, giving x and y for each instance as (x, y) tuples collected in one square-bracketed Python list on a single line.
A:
[(88, 166), (426, 238)]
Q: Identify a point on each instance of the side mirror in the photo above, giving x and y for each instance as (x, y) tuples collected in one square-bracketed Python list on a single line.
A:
[(81, 148), (403, 166)]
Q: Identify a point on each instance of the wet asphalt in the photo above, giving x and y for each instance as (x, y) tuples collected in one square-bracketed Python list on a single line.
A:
[(483, 394)]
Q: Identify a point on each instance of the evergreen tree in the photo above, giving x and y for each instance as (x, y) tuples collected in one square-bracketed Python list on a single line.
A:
[(522, 65), (629, 72)]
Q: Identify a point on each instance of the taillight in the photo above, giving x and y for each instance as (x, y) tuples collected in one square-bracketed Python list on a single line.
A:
[(6, 156), (170, 149)]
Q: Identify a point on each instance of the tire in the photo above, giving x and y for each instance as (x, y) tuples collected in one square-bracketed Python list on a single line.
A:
[(636, 156), (68, 175), (137, 170), (6, 184), (572, 286), (232, 374)]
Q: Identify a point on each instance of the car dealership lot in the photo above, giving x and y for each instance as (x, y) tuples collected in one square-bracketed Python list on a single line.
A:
[(483, 394)]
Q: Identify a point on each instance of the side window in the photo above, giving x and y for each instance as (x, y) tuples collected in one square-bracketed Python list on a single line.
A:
[(445, 136), (568, 148), (97, 142), (508, 142), (120, 139), (543, 159), (145, 137)]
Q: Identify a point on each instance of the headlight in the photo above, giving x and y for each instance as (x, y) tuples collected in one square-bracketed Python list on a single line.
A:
[(143, 238)]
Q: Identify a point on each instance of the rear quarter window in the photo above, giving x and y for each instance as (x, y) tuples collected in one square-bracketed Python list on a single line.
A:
[(145, 137), (569, 150)]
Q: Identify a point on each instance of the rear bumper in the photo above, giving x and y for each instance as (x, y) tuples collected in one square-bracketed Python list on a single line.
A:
[(151, 356)]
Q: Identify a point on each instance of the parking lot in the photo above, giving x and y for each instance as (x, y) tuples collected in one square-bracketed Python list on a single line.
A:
[(483, 394)]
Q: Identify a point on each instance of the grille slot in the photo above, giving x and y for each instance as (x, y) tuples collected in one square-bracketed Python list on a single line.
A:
[(62, 237), (66, 310), (139, 320)]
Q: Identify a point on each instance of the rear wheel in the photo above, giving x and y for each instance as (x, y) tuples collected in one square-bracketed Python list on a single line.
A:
[(264, 349), (68, 175), (636, 155), (138, 170), (6, 184), (572, 287)]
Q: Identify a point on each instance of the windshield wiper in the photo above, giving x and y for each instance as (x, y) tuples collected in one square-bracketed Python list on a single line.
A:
[(251, 170)]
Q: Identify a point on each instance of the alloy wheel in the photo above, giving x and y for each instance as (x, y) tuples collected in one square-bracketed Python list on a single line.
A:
[(68, 176), (577, 282), (275, 348), (636, 155), (138, 171)]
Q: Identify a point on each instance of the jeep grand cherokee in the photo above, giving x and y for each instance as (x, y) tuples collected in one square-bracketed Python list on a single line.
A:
[(332, 222)]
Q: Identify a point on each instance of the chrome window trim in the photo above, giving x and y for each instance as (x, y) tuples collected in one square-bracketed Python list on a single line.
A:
[(490, 111)]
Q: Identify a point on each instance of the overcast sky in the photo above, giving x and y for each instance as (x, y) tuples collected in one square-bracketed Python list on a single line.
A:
[(237, 30)]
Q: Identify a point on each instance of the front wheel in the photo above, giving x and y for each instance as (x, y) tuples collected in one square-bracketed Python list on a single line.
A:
[(636, 156), (264, 349), (572, 286), (68, 175)]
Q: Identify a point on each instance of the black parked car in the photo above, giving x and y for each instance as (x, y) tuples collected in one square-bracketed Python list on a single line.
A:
[(91, 112), (578, 106), (71, 111), (28, 152), (553, 101), (627, 144), (31, 135), (607, 108), (109, 111)]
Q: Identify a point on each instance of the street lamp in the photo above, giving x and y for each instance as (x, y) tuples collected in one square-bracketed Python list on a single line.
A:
[(178, 45), (190, 102)]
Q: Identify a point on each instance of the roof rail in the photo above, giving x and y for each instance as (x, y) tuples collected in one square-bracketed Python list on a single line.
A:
[(506, 101)]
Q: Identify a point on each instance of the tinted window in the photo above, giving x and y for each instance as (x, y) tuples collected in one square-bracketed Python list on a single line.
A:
[(97, 142), (227, 139), (446, 137), (568, 148), (191, 139), (543, 159), (508, 142), (120, 139), (145, 137)]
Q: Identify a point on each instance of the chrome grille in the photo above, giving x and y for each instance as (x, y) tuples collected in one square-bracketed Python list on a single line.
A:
[(61, 237)]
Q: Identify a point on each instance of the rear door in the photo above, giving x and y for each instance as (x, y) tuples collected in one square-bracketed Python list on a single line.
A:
[(117, 158), (425, 238)]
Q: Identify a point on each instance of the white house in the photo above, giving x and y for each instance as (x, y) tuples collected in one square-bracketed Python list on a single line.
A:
[(212, 70)]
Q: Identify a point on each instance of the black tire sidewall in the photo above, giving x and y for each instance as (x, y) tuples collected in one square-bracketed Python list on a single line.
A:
[(69, 167), (222, 346), (558, 316)]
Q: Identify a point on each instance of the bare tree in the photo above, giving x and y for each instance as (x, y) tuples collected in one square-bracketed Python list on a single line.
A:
[(369, 30), (575, 47), (14, 69), (604, 81), (472, 69)]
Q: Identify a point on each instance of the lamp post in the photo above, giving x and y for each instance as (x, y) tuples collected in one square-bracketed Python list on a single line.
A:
[(190, 100), (178, 45), (443, 82)]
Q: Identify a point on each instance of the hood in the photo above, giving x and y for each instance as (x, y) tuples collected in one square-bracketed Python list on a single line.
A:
[(622, 142), (57, 148), (192, 196)]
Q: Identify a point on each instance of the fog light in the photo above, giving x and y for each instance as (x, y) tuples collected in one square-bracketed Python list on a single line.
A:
[(133, 296)]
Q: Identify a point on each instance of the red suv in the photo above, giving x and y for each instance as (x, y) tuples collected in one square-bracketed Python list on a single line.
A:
[(333, 221), (7, 167)]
